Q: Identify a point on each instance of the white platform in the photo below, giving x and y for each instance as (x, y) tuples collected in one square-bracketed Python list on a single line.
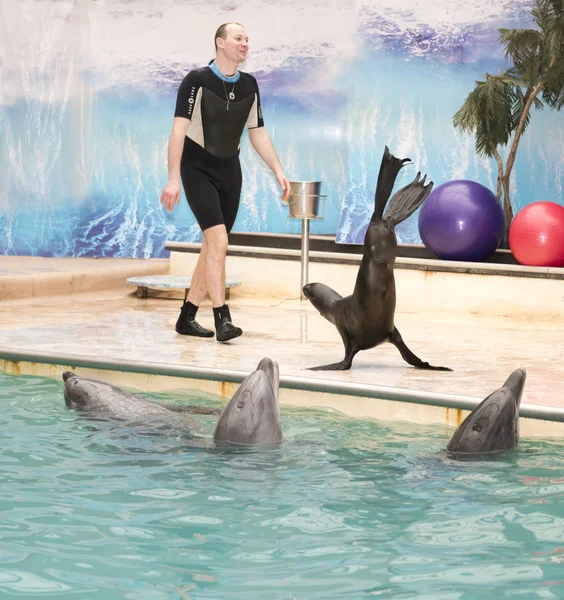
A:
[(170, 282)]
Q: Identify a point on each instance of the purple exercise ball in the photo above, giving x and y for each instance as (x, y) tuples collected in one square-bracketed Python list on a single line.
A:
[(461, 220)]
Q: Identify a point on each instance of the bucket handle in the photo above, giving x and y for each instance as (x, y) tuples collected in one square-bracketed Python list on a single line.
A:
[(323, 215)]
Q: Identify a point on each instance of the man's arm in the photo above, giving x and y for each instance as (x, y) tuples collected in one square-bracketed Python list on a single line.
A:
[(263, 145), (171, 192)]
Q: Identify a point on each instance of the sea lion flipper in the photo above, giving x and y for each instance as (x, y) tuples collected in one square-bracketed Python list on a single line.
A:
[(344, 365), (341, 366), (407, 200), (389, 169), (408, 355)]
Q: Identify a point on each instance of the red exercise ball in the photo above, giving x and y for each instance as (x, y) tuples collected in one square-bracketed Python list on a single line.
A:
[(536, 235)]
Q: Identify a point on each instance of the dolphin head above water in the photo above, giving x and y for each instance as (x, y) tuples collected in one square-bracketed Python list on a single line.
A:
[(85, 393), (103, 398), (493, 426), (252, 417)]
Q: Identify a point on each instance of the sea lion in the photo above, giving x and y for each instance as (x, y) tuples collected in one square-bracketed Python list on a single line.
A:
[(493, 426), (366, 319)]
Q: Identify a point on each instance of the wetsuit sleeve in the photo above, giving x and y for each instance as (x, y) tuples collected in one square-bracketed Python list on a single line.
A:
[(255, 116), (186, 97)]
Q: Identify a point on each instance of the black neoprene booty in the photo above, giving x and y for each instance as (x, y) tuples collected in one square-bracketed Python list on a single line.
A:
[(225, 330), (187, 324)]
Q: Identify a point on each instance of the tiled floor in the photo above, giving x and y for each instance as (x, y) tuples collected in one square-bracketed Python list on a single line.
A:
[(116, 324)]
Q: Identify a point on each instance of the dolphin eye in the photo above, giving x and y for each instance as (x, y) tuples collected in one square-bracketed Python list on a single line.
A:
[(477, 428), (240, 403)]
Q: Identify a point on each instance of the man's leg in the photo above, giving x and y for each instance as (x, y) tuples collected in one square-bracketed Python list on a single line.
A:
[(186, 323), (216, 238), (229, 198), (216, 252), (201, 196), (198, 287)]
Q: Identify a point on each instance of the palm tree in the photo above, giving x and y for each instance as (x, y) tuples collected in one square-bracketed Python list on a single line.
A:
[(498, 110)]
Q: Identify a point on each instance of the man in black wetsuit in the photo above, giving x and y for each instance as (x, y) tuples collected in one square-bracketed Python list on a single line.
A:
[(213, 106)]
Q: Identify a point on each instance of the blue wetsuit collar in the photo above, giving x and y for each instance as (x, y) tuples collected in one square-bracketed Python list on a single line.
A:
[(232, 79)]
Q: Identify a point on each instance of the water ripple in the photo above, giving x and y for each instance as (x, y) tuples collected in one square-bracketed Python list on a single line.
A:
[(22, 582), (363, 509)]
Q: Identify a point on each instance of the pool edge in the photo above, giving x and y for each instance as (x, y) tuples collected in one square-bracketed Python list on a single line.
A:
[(359, 400)]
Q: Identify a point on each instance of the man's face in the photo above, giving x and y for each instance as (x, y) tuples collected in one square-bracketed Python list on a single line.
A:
[(236, 44)]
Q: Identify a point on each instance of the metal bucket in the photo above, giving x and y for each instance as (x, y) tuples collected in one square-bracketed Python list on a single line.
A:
[(303, 202)]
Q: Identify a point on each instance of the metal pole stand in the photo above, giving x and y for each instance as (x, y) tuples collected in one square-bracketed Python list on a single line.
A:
[(305, 255), (303, 204)]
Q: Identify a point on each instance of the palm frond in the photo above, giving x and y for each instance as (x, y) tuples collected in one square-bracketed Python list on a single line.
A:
[(539, 104), (495, 108), (549, 16), (467, 117), (488, 113), (553, 89), (517, 109), (518, 42), (514, 80), (525, 47), (483, 143)]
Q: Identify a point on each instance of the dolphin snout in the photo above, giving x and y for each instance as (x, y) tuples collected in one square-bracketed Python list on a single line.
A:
[(516, 382), (68, 375), (307, 290)]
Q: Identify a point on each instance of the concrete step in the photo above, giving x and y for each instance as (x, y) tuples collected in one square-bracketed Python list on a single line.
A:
[(30, 276)]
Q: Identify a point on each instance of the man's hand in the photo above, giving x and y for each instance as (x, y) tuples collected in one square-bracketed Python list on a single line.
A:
[(284, 184), (171, 194)]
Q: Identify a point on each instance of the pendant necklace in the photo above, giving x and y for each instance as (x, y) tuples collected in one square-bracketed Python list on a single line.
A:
[(231, 94)]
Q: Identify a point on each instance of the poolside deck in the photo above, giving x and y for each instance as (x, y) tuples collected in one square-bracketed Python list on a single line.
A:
[(113, 325)]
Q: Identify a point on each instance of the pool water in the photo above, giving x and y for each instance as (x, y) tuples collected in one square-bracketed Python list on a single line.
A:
[(344, 509)]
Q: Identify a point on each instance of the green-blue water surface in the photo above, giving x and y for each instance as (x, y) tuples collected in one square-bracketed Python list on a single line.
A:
[(344, 509)]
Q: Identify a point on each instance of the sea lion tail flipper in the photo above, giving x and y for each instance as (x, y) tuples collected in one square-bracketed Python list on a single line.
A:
[(389, 169), (407, 200), (408, 355)]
